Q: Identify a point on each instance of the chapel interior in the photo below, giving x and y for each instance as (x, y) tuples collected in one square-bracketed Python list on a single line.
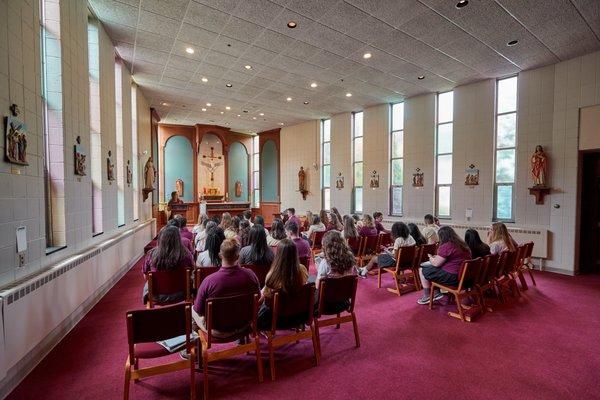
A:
[(319, 199)]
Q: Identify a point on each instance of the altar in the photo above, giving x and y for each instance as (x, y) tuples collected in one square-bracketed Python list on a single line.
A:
[(232, 207)]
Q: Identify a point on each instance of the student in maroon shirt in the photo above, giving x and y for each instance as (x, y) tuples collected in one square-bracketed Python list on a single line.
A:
[(368, 226), (183, 230), (293, 231), (378, 217), (292, 216), (229, 280)]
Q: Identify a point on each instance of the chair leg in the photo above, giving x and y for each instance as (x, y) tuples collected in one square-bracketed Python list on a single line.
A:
[(315, 344), (127, 379), (271, 358), (459, 306), (193, 375), (397, 281), (531, 276), (522, 279), (337, 326), (431, 290), (136, 364), (205, 373), (318, 337), (379, 278), (259, 363), (355, 325)]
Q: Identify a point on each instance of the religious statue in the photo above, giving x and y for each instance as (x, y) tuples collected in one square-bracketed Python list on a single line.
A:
[(417, 180), (339, 181), (15, 143), (149, 175), (374, 182), (110, 168), (539, 167), (302, 187), (129, 174), (472, 177), (238, 188), (179, 187), (79, 158), (212, 165)]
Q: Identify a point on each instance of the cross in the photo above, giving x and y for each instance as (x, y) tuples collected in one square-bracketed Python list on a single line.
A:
[(212, 155), (211, 165)]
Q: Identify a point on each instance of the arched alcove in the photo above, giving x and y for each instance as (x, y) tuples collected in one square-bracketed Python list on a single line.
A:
[(269, 172), (238, 171), (179, 161)]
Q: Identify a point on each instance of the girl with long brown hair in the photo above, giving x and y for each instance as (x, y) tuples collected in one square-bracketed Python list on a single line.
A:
[(336, 223), (338, 259), (499, 239)]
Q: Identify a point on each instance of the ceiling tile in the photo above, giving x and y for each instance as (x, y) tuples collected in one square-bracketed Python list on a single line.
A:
[(158, 24), (168, 8)]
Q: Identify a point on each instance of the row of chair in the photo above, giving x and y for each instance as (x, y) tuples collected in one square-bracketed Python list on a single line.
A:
[(237, 314), (497, 273)]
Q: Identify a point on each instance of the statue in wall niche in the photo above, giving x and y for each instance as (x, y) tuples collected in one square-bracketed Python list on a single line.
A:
[(129, 174), (238, 188), (179, 187), (15, 138), (149, 174), (539, 167), (302, 186), (110, 168)]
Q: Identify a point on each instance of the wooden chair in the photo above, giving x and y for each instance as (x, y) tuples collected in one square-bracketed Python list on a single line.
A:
[(292, 312), (168, 283), (316, 239), (334, 291), (369, 249), (146, 327), (385, 241), (421, 256), (305, 261), (260, 271), (200, 273), (525, 265), (466, 279), (355, 244), (485, 280), (405, 259), (235, 314), (504, 280)]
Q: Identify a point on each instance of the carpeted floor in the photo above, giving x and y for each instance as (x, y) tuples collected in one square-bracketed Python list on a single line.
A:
[(542, 346)]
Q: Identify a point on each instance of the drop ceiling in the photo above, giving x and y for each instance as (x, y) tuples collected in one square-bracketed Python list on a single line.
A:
[(447, 45)]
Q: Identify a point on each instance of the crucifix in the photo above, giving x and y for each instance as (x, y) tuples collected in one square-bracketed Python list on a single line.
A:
[(212, 164)]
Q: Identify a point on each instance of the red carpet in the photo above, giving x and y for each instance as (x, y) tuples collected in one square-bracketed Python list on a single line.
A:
[(542, 346)]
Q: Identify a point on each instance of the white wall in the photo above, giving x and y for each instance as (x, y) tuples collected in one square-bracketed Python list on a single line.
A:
[(549, 99)]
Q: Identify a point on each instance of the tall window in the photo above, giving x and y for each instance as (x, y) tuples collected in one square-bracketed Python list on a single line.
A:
[(134, 154), (326, 163), (357, 162), (397, 158), (95, 126), (255, 172), (119, 130), (443, 153), (54, 171), (506, 143)]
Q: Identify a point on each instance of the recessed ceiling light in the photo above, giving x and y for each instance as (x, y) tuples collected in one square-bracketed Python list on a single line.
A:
[(227, 108), (421, 77), (222, 112), (208, 104), (228, 85), (281, 123), (289, 99), (314, 84), (253, 117), (248, 66), (204, 79), (305, 102), (512, 42), (292, 24), (261, 114), (189, 50), (462, 3), (204, 109), (367, 55), (348, 94), (239, 115), (165, 104)]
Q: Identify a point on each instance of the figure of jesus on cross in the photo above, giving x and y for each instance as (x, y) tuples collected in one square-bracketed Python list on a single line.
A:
[(212, 165)]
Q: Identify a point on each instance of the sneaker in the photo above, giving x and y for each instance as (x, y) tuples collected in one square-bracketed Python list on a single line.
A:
[(184, 354), (438, 296), (423, 300), (362, 272)]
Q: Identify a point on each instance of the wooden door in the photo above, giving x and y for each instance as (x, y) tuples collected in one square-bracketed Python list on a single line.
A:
[(589, 238)]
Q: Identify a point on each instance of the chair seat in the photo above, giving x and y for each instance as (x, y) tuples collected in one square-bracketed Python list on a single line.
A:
[(149, 350)]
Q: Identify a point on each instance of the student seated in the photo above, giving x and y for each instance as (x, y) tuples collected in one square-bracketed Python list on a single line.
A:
[(445, 266), (226, 221), (368, 226), (257, 252), (277, 233), (307, 221), (291, 213), (378, 218), (324, 216), (335, 211), (184, 240), (183, 230), (169, 254), (229, 280), (315, 226), (349, 230), (210, 256), (499, 239), (478, 248), (248, 216), (200, 239), (357, 221), (401, 237), (232, 230), (431, 229), (416, 234), (243, 233), (291, 228), (335, 223), (173, 200), (259, 220), (286, 275), (199, 227)]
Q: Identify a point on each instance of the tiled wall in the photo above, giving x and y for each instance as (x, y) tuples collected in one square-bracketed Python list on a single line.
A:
[(549, 100), (22, 195)]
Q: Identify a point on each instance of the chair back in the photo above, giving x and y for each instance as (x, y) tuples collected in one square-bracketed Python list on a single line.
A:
[(337, 290), (260, 271), (316, 239), (201, 273), (468, 273), (305, 261), (156, 324), (355, 244), (425, 250), (405, 258), (297, 306), (168, 282), (370, 245), (528, 252), (153, 243), (231, 313), (488, 269), (509, 263), (385, 239)]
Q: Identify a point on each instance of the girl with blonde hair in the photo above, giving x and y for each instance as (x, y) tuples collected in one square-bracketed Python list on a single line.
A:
[(499, 239)]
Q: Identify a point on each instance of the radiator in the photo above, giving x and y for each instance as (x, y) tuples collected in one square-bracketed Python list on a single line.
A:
[(34, 308), (536, 235)]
